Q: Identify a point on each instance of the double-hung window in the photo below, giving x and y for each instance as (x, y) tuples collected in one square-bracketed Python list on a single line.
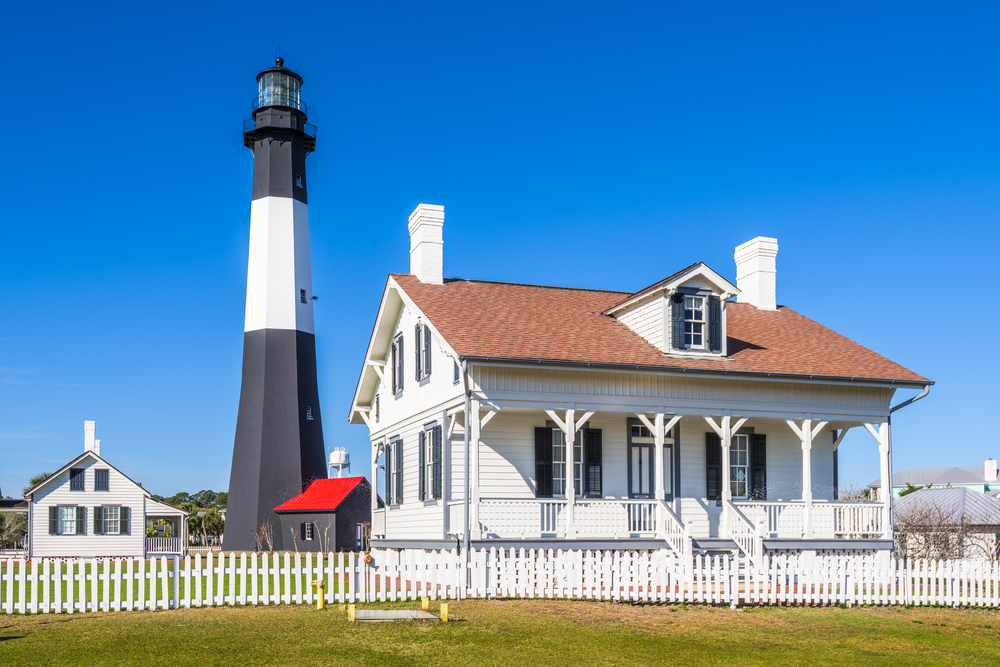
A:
[(67, 520), (694, 322), (550, 463), (422, 351), (430, 463), (112, 515), (739, 465), (396, 357)]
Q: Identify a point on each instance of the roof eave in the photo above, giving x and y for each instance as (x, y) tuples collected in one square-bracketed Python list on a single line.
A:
[(683, 370)]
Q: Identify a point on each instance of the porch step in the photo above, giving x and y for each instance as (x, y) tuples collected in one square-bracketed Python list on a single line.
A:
[(714, 545)]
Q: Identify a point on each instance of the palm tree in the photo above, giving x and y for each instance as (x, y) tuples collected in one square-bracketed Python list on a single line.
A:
[(35, 481)]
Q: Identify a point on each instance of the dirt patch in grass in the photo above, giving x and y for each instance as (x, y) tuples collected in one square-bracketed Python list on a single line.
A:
[(510, 632)]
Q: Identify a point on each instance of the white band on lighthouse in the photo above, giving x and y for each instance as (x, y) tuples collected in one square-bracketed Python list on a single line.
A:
[(279, 268)]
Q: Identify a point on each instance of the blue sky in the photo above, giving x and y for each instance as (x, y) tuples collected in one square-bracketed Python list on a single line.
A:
[(587, 145)]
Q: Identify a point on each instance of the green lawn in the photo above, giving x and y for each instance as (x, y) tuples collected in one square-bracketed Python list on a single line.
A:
[(511, 632)]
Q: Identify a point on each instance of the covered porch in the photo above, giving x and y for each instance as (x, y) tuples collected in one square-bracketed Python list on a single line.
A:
[(170, 524), (654, 479)]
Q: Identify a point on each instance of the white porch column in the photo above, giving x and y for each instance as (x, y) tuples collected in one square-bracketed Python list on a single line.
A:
[(446, 429), (659, 430), (570, 433), (725, 430), (807, 493), (472, 419), (374, 479), (881, 435), (806, 433)]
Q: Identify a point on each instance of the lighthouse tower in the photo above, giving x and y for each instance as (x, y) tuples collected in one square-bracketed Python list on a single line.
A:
[(279, 430)]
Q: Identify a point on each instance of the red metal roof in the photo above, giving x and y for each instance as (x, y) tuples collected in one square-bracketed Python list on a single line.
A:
[(532, 322), (323, 495)]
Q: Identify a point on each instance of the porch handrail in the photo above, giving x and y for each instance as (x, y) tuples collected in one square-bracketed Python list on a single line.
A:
[(748, 537), (164, 545), (674, 533)]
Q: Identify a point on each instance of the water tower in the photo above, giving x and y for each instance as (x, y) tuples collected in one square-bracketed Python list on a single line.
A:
[(278, 450), (339, 459)]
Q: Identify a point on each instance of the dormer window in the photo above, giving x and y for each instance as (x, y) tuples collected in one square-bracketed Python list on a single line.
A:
[(694, 322)]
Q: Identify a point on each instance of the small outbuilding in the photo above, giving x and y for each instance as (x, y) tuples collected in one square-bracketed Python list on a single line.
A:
[(88, 509), (330, 515)]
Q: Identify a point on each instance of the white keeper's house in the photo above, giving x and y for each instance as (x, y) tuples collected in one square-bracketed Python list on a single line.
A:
[(690, 414), (90, 509)]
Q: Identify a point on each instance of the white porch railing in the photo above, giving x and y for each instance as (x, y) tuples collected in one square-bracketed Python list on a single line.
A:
[(786, 519), (748, 534), (676, 534), (543, 517), (615, 518), (164, 545)]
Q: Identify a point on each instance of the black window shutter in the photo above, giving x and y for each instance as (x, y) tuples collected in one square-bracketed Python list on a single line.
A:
[(126, 518), (427, 350), (76, 477), (543, 462), (401, 357), (419, 351), (714, 323), (81, 520), (758, 465), (677, 321), (398, 496), (394, 380), (98, 516), (302, 532), (713, 466), (593, 441), (423, 466), (389, 462), (53, 520), (436, 462)]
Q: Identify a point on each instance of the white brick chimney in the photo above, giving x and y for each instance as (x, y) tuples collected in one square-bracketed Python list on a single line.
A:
[(427, 243), (991, 470), (89, 430), (755, 272)]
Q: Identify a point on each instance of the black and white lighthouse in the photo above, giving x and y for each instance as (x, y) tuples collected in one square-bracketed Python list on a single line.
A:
[(279, 430)]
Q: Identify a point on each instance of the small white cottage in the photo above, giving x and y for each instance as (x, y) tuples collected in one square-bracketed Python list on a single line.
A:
[(88, 508)]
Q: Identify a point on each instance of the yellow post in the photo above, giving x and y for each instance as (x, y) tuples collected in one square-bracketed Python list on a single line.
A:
[(444, 612), (425, 603), (350, 612), (342, 607), (320, 598)]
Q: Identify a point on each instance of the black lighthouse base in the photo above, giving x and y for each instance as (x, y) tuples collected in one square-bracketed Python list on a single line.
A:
[(279, 434)]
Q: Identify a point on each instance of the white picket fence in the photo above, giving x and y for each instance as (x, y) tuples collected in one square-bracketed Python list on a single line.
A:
[(73, 586)]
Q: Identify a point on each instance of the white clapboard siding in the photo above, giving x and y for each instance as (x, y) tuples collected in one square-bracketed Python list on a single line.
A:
[(646, 319), (122, 491), (502, 381), (417, 396)]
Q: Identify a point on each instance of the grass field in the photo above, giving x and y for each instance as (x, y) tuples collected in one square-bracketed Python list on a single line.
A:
[(511, 632)]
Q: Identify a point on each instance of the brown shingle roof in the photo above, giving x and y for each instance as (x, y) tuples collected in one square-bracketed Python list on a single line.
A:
[(513, 321)]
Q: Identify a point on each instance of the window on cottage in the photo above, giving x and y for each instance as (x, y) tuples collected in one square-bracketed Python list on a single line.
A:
[(739, 465), (100, 480), (694, 322), (76, 477), (559, 463), (111, 515), (430, 463), (455, 379), (67, 520), (307, 531)]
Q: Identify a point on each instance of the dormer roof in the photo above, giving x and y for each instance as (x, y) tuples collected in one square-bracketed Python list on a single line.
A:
[(697, 270)]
